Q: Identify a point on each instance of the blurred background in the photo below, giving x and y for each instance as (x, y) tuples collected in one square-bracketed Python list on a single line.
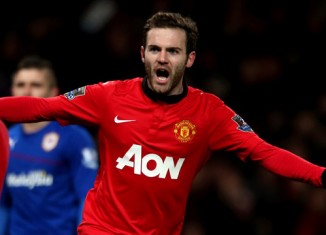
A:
[(265, 59)]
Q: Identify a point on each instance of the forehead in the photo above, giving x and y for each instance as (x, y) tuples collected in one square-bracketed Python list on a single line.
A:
[(167, 37), (30, 75)]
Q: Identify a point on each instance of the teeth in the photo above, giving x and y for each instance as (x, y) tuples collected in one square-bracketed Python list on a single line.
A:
[(162, 78)]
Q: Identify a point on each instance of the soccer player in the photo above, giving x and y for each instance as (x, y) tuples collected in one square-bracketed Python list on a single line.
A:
[(51, 167), (4, 152), (155, 133)]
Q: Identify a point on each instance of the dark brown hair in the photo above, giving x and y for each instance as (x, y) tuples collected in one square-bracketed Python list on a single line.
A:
[(173, 20), (37, 62)]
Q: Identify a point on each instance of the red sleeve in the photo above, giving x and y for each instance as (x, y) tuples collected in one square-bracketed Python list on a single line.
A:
[(73, 107), (33, 109), (24, 109), (4, 153), (284, 163)]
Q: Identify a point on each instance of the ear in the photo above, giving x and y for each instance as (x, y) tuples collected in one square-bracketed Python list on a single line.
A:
[(142, 53), (191, 59)]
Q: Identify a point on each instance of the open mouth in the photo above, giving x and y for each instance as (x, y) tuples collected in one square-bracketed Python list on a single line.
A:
[(162, 74)]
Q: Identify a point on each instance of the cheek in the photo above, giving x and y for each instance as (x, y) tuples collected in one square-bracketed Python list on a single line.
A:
[(147, 62), (39, 93), (147, 66), (18, 92)]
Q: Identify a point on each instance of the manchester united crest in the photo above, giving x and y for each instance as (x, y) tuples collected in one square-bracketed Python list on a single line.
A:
[(184, 131)]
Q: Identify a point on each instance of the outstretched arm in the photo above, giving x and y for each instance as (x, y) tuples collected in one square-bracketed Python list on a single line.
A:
[(79, 109), (24, 109), (284, 163)]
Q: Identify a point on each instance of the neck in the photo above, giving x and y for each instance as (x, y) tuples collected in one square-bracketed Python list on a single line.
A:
[(33, 127), (170, 99)]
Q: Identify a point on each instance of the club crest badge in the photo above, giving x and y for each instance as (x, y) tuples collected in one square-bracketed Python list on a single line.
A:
[(50, 141), (74, 93), (242, 125), (184, 131)]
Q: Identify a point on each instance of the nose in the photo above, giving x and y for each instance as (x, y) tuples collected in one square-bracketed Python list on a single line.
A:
[(162, 58)]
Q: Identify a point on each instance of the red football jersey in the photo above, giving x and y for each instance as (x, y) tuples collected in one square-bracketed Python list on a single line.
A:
[(150, 151), (4, 153)]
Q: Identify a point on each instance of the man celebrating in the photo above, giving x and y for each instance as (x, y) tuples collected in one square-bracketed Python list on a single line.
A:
[(155, 134)]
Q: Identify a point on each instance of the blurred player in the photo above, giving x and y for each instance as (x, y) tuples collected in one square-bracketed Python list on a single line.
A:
[(51, 167)]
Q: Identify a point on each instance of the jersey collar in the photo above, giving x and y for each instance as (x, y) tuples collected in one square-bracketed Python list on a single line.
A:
[(171, 99)]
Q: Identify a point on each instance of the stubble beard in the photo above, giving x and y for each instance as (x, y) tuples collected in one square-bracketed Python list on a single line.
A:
[(171, 87)]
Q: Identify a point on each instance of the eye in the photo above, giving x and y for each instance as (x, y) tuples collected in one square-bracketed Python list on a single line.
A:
[(173, 51), (20, 84), (154, 49), (37, 84)]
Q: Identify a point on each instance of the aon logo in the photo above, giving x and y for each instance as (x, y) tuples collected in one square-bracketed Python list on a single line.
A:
[(140, 163)]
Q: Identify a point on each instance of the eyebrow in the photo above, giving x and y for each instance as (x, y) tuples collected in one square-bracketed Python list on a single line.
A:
[(168, 48), (21, 83)]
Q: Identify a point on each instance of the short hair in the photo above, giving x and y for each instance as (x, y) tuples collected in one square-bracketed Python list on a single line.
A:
[(173, 20), (39, 63)]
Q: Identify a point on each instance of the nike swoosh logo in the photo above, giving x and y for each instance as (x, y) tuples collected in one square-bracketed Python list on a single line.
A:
[(117, 120)]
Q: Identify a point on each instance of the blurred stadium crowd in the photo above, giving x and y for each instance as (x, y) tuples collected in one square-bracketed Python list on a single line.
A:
[(265, 59)]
